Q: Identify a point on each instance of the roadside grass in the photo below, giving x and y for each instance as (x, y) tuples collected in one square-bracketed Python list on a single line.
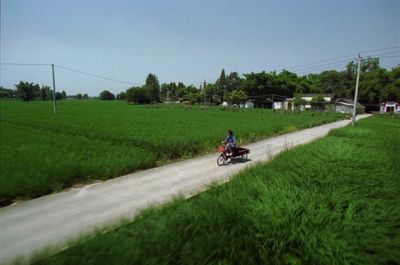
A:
[(335, 201), (90, 140)]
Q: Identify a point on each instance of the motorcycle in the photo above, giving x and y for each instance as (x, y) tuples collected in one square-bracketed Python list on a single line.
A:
[(226, 157)]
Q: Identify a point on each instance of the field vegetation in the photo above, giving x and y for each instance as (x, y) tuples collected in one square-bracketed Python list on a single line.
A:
[(334, 201), (90, 140)]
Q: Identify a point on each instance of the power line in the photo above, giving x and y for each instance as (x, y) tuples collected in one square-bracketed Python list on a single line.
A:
[(383, 49), (328, 66), (26, 64), (322, 65), (321, 68), (390, 56), (378, 55), (345, 56), (72, 70), (95, 75)]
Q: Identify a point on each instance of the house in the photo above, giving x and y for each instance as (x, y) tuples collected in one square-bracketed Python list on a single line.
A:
[(328, 98), (286, 104), (345, 105), (278, 105), (390, 107), (249, 104)]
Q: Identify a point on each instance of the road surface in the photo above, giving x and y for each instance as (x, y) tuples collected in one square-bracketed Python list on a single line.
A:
[(51, 220)]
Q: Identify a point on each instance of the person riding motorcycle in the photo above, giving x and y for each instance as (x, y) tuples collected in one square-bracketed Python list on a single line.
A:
[(230, 143)]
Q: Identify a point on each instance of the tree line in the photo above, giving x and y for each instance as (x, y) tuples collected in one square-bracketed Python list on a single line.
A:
[(28, 91), (377, 84)]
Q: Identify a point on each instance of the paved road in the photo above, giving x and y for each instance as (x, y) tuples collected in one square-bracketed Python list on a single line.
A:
[(52, 220)]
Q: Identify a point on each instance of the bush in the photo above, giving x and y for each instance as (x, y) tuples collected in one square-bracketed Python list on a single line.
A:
[(139, 95), (106, 95)]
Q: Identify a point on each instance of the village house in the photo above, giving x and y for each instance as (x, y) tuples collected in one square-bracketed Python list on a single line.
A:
[(345, 105), (390, 107), (287, 104), (328, 98)]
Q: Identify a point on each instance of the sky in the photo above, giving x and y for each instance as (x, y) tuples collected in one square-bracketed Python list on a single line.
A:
[(185, 40)]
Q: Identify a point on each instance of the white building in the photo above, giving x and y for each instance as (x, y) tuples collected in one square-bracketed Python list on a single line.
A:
[(328, 98), (248, 104), (344, 105), (390, 107)]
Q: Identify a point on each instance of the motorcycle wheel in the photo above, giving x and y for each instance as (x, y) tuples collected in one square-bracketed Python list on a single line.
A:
[(220, 160)]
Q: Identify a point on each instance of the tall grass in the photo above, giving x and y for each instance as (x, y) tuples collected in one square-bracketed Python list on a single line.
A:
[(87, 140), (335, 201)]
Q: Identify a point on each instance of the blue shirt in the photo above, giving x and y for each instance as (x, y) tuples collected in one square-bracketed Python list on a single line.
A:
[(231, 140)]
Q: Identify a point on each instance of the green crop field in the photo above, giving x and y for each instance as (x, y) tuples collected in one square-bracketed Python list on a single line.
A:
[(90, 140), (335, 201)]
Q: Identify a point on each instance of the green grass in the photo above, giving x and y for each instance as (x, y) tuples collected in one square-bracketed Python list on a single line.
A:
[(89, 140), (335, 201)]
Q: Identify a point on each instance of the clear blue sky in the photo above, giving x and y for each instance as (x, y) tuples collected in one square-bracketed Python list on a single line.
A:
[(184, 40)]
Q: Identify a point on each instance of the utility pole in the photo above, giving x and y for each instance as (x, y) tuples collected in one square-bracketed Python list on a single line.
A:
[(168, 95), (356, 93), (54, 89)]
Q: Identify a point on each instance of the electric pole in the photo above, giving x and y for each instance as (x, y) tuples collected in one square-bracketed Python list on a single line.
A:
[(54, 89), (356, 93), (167, 95)]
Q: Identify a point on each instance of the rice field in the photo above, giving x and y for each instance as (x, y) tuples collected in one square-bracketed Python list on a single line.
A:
[(96, 140), (335, 201)]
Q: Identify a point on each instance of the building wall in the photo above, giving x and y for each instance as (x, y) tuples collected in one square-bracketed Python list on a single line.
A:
[(344, 109), (327, 99)]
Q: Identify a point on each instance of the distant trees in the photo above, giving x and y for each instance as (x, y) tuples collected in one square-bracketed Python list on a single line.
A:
[(376, 85), (139, 95), (46, 93), (299, 101), (106, 95), (153, 87), (318, 103), (237, 97), (121, 96), (27, 91), (7, 93), (149, 93)]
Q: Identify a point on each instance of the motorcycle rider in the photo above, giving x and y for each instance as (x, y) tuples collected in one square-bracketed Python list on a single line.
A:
[(230, 142)]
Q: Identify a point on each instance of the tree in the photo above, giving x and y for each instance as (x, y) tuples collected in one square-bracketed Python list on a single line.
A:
[(209, 92), (317, 102), (373, 84), (27, 91), (46, 93), (299, 101), (153, 87), (237, 97), (85, 96), (121, 96), (138, 95), (332, 81), (180, 90), (79, 96), (392, 91), (63, 95), (59, 96), (233, 82), (7, 93), (106, 95), (220, 86)]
